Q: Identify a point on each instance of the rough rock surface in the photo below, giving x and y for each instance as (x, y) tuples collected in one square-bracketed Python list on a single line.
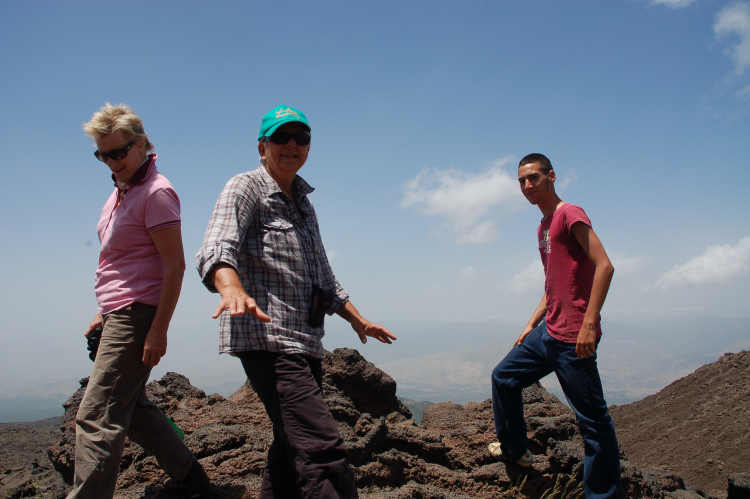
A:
[(25, 469), (697, 427), (445, 457), (738, 486)]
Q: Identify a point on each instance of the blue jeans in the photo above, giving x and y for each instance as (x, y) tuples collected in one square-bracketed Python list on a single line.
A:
[(538, 356)]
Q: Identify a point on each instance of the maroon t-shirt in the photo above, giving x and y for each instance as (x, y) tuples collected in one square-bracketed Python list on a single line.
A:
[(569, 274)]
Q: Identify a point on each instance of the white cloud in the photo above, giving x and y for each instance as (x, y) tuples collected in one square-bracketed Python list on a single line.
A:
[(734, 19), (569, 177), (675, 4), (331, 255), (718, 264), (627, 264), (467, 273), (528, 280), (743, 93), (464, 199)]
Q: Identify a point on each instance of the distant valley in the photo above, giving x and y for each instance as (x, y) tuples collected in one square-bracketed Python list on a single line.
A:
[(436, 361), (635, 360)]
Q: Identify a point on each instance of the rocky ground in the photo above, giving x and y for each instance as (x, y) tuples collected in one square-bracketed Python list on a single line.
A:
[(24, 464), (698, 426), (445, 457)]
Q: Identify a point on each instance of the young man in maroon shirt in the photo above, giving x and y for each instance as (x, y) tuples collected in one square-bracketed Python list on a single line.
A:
[(561, 336)]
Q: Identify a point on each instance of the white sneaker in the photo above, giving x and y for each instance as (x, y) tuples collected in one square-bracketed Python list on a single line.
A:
[(526, 460)]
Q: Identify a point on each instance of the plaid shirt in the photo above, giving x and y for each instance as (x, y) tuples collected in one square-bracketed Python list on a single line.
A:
[(278, 254)]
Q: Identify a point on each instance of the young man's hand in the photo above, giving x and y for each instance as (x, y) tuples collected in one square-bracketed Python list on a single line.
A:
[(586, 343), (524, 334)]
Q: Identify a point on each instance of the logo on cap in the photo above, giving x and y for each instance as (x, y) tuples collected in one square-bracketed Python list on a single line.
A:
[(286, 112)]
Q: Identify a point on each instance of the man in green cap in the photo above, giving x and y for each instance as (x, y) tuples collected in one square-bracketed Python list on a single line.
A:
[(263, 253)]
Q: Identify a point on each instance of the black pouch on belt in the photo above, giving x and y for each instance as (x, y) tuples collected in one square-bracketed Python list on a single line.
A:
[(321, 301)]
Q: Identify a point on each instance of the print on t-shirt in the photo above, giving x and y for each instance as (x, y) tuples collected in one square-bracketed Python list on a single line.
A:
[(544, 243)]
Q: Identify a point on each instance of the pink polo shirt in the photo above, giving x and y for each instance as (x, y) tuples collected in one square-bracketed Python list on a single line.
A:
[(130, 268)]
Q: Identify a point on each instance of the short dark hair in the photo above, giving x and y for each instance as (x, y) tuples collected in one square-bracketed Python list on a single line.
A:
[(544, 162)]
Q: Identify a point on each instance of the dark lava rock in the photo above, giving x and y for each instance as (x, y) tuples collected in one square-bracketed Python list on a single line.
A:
[(738, 486), (445, 457), (25, 470), (369, 389), (697, 427)]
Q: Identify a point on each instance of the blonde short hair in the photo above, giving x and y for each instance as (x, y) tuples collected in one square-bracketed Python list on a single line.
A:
[(111, 118)]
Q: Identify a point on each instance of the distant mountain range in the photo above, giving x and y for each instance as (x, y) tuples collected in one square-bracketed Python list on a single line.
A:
[(439, 361), (635, 359)]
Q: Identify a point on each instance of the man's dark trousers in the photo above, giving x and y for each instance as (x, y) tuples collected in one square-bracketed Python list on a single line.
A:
[(307, 458)]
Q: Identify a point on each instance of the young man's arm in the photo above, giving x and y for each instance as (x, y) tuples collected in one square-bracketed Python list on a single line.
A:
[(536, 318), (584, 234)]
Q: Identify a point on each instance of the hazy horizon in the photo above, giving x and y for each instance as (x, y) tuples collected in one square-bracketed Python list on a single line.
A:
[(433, 364)]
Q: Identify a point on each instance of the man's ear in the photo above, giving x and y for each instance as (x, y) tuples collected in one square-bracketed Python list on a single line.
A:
[(262, 149), (552, 175)]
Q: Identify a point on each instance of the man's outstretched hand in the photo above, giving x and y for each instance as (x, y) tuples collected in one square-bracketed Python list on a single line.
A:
[(239, 303), (376, 331)]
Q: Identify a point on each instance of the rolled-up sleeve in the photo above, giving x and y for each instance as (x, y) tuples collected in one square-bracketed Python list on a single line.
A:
[(340, 296), (227, 228), (328, 280)]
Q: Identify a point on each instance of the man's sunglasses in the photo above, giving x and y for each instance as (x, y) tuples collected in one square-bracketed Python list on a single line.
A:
[(117, 154), (281, 138)]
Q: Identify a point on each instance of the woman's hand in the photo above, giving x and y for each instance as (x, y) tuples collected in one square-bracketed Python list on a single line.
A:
[(155, 347), (96, 322)]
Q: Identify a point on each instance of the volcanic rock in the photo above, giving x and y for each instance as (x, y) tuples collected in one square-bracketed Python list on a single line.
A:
[(25, 469), (738, 486), (445, 457), (697, 427)]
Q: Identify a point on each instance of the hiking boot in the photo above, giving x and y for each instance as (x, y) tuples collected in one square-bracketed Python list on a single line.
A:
[(195, 482), (526, 460)]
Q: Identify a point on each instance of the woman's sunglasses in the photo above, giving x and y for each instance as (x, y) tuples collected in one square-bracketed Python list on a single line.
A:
[(117, 154), (281, 138)]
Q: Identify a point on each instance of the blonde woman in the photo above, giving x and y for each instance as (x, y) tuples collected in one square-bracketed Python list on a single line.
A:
[(138, 282)]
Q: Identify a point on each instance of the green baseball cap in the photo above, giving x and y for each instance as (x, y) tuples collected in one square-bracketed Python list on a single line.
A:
[(277, 117)]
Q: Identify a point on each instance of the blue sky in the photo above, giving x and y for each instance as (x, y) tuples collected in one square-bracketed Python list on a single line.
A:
[(420, 112)]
